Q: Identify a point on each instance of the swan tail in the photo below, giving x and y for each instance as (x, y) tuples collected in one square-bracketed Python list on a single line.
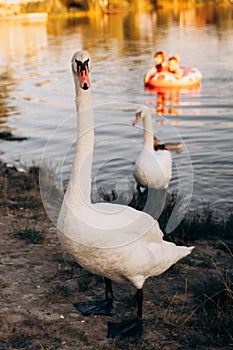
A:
[(191, 249), (178, 252), (167, 254)]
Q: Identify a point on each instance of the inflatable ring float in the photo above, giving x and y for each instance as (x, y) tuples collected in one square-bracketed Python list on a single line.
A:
[(191, 78)]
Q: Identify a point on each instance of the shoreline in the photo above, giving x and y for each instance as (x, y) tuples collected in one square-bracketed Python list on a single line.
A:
[(187, 307), (13, 12)]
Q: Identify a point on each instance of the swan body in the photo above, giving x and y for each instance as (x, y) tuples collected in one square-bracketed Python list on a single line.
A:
[(111, 240), (127, 246), (152, 168)]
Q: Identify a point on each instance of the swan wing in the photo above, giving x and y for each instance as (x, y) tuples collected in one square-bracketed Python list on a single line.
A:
[(153, 169), (106, 225)]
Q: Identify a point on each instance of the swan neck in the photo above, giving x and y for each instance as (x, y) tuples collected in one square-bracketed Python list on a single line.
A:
[(79, 188), (148, 132)]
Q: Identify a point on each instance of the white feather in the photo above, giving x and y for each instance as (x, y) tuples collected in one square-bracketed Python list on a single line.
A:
[(111, 240), (152, 168)]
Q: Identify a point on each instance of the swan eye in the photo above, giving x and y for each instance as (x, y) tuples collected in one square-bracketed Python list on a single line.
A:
[(82, 66)]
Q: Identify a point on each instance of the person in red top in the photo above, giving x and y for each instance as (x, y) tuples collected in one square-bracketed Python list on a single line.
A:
[(160, 65)]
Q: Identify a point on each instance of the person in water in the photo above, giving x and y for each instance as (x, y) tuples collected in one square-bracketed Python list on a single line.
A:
[(173, 66), (160, 65)]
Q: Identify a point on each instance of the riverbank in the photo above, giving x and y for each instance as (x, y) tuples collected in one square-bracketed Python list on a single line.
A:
[(40, 10), (188, 307)]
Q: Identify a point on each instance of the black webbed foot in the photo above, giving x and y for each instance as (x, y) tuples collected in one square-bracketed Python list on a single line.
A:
[(126, 328), (105, 307)]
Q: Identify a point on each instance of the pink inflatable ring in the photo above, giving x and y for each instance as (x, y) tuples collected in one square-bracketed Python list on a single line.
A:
[(191, 77)]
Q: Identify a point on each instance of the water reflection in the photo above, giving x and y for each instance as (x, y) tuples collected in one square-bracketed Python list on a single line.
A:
[(37, 88), (22, 49), (6, 108), (168, 102), (21, 43)]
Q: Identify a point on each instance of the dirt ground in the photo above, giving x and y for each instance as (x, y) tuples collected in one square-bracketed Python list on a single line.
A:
[(38, 287)]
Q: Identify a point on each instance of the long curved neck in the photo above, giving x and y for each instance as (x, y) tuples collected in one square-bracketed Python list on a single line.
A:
[(79, 188), (148, 132)]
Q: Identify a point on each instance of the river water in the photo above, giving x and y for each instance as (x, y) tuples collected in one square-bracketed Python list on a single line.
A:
[(37, 96)]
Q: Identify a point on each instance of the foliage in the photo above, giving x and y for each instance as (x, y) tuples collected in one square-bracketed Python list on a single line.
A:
[(31, 236), (214, 297), (197, 224), (49, 6)]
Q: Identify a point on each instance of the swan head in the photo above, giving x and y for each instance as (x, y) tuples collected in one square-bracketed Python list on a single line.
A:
[(141, 113), (81, 66)]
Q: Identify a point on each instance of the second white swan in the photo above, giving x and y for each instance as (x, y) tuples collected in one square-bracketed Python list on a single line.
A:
[(152, 169)]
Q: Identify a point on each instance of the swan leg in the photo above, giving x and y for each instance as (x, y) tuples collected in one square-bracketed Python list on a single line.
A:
[(131, 327), (105, 307), (139, 297)]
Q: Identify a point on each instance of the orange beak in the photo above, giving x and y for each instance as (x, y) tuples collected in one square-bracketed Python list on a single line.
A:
[(84, 78)]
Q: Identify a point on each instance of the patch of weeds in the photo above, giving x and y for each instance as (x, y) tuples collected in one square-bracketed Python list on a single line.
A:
[(3, 345), (138, 200), (62, 291), (58, 292), (228, 225), (176, 310), (34, 170), (226, 246), (130, 300), (196, 225), (20, 341), (214, 298), (25, 202), (19, 189), (85, 280), (130, 343), (205, 263), (22, 181), (107, 197), (4, 193), (31, 236)]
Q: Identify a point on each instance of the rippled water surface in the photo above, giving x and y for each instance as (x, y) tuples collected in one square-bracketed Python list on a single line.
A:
[(37, 96)]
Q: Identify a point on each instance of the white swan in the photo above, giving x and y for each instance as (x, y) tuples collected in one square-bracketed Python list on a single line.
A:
[(114, 241), (152, 168)]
